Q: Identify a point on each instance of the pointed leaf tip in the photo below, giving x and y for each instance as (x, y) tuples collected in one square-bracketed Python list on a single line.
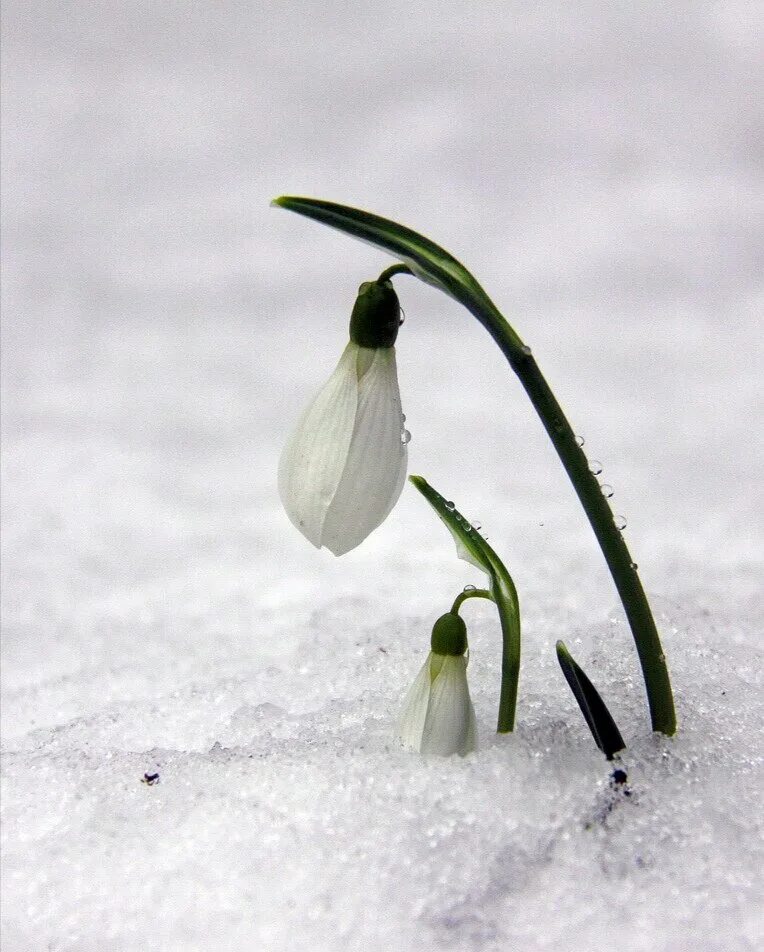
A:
[(284, 201), (598, 718)]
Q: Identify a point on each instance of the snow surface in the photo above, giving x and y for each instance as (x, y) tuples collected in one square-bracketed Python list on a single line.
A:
[(596, 167)]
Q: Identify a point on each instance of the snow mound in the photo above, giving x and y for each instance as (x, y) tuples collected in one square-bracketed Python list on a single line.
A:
[(284, 817)]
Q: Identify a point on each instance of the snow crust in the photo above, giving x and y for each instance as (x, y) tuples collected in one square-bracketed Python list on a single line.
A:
[(163, 329)]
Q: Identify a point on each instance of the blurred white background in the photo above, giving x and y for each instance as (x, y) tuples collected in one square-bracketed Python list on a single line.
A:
[(596, 165)]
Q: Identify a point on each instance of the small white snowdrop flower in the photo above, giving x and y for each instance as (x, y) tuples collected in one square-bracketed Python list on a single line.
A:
[(438, 716), (344, 467)]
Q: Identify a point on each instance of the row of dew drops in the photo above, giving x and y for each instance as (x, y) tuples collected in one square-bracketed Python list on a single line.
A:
[(595, 468), (468, 526)]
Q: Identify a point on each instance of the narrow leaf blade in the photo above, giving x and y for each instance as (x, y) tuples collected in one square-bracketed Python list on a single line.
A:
[(598, 717), (427, 260)]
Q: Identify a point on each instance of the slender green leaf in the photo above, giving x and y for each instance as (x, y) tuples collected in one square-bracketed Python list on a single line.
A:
[(421, 254), (598, 717), (473, 548), (428, 261)]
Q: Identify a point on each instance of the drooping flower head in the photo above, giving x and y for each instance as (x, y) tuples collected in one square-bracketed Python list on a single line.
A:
[(438, 716), (344, 467)]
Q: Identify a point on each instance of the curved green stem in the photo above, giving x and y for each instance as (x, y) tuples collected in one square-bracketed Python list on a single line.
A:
[(509, 618), (470, 593), (392, 271), (622, 567), (437, 267)]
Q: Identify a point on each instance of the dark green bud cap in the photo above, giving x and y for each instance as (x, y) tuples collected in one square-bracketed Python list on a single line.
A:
[(376, 315), (449, 635)]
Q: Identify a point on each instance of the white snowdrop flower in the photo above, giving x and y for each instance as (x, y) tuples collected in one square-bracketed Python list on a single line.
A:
[(344, 467), (438, 715)]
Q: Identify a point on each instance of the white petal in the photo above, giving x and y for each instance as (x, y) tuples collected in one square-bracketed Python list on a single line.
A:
[(314, 458), (411, 723), (450, 723), (375, 471)]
